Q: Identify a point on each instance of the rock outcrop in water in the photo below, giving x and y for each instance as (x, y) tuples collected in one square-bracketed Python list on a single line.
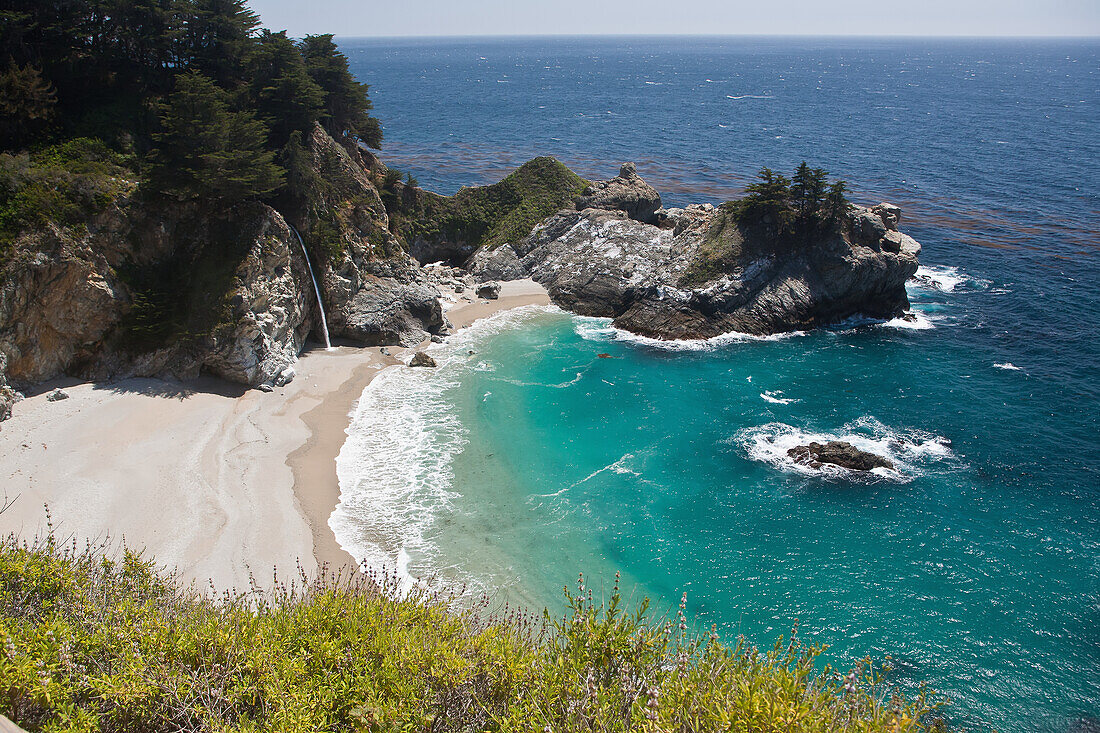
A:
[(703, 272), (838, 453)]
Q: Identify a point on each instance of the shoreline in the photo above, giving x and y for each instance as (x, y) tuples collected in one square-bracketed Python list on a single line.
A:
[(220, 482), (313, 464)]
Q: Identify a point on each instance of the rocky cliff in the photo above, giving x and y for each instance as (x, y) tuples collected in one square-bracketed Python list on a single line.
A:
[(157, 287), (700, 272)]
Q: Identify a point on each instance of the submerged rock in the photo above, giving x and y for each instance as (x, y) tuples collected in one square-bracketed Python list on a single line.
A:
[(838, 453), (420, 359)]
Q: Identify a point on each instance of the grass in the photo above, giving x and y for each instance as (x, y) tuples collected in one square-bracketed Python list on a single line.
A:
[(94, 640), (492, 215)]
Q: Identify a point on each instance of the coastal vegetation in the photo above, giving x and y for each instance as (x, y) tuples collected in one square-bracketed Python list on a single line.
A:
[(97, 640), (487, 216), (775, 210), (191, 97)]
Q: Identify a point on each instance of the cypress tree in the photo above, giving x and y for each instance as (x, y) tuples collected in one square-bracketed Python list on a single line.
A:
[(216, 36), (346, 103), (282, 93), (207, 151)]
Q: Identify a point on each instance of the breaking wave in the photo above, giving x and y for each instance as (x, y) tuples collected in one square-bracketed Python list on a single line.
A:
[(947, 279), (601, 330), (395, 468)]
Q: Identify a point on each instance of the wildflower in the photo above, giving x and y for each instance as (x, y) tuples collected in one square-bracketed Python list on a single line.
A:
[(652, 693)]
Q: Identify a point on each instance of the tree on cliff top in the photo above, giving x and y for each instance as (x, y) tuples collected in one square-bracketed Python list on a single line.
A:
[(205, 150), (215, 37), (281, 91), (346, 103)]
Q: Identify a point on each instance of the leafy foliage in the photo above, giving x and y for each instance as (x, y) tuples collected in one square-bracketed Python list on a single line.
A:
[(26, 103), (94, 641)]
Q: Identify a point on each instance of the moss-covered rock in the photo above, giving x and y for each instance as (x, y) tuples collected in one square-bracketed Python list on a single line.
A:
[(449, 228)]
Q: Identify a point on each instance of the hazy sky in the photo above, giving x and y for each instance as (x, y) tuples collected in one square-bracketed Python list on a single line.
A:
[(720, 17)]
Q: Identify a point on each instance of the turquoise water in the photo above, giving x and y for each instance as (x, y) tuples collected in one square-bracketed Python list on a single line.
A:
[(538, 459), (976, 565)]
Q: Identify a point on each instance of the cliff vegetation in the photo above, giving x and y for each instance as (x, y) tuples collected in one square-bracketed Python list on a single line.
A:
[(94, 641)]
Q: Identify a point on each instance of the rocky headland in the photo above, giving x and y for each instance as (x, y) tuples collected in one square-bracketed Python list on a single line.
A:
[(698, 272), (153, 287)]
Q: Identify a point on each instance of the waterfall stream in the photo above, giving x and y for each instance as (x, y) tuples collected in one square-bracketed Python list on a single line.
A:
[(316, 288)]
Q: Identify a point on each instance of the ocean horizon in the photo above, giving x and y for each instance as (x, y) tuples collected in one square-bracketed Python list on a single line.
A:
[(548, 444)]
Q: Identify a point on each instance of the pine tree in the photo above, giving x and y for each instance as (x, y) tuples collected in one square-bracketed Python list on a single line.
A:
[(282, 93), (836, 204), (769, 198), (346, 102), (207, 151)]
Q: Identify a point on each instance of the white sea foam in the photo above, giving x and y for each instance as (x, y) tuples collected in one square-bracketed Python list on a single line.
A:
[(909, 450), (600, 329), (775, 397), (394, 469), (1009, 366), (750, 96), (947, 279), (914, 320)]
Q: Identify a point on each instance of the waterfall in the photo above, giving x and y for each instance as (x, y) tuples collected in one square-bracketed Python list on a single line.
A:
[(316, 289)]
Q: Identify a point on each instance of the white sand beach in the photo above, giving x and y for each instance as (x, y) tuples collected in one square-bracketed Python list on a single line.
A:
[(214, 480)]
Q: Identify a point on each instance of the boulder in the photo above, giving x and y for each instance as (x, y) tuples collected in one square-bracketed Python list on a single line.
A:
[(627, 192), (392, 311), (501, 263), (57, 395), (489, 291), (838, 453), (890, 215), (420, 359)]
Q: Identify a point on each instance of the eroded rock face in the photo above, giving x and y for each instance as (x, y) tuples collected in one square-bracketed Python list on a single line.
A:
[(489, 291), (272, 309), (650, 281), (627, 192), (63, 301), (501, 263), (838, 453)]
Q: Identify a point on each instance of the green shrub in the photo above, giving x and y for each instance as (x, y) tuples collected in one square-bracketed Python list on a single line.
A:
[(65, 184), (91, 641)]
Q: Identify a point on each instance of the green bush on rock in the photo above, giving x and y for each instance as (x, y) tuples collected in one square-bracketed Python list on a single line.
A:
[(91, 641)]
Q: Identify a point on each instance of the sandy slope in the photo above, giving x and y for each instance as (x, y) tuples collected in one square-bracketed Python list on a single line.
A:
[(210, 479)]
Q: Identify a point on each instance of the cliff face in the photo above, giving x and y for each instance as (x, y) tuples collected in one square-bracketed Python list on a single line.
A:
[(143, 292)]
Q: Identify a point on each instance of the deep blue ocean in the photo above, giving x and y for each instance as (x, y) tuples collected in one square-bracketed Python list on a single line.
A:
[(975, 565)]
